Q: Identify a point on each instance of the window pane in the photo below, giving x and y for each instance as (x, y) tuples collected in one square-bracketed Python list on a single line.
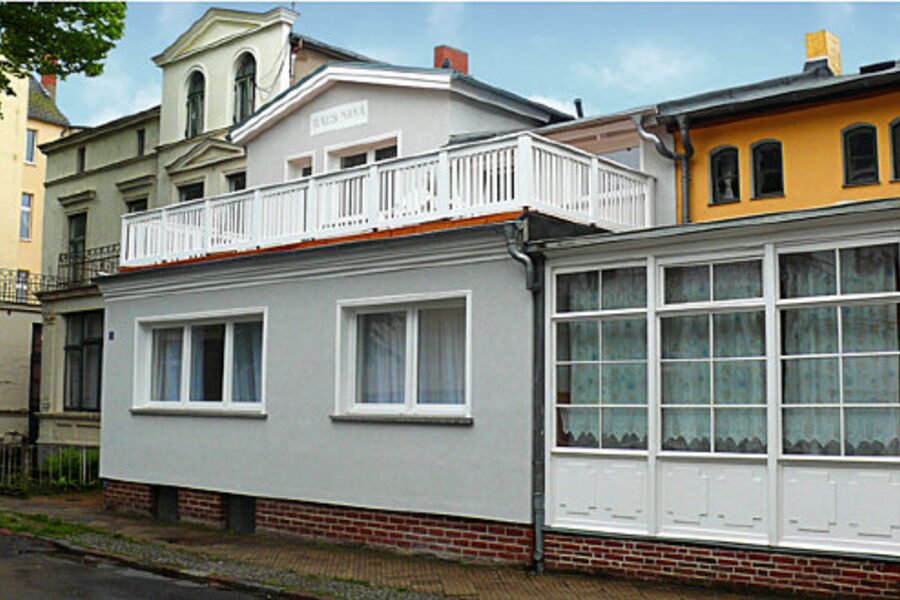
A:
[(810, 381), (386, 152), (870, 269), (625, 288), (578, 384), (74, 329), (207, 362), (739, 334), (442, 355), (741, 430), (811, 431), (872, 432), (740, 382), (809, 330), (74, 378), (166, 366), (624, 383), (685, 383), (872, 379), (93, 326), (861, 155), (90, 396), (807, 274), (578, 427), (767, 169), (625, 428), (895, 141), (685, 337), (354, 160), (579, 340), (246, 368), (577, 291), (726, 181), (686, 284), (732, 281), (869, 328), (685, 429), (625, 339), (381, 362)]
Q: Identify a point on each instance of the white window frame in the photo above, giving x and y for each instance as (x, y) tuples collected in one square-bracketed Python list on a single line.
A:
[(31, 146), (368, 145), (29, 210), (143, 352), (346, 354), (301, 160)]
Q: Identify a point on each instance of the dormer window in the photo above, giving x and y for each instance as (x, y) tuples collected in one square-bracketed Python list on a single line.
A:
[(723, 164), (195, 99), (768, 170), (860, 155), (244, 87)]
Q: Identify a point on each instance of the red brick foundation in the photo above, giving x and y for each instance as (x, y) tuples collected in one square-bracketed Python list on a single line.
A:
[(128, 497), (198, 506), (702, 564), (433, 534)]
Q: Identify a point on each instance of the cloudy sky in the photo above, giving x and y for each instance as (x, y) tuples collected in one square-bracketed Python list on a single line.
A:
[(614, 56)]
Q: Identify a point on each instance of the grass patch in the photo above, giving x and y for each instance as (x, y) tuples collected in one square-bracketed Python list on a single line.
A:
[(43, 526)]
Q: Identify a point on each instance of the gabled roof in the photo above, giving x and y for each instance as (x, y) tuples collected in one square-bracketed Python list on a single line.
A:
[(207, 152), (814, 85), (218, 25), (42, 106), (329, 50), (90, 133), (331, 73)]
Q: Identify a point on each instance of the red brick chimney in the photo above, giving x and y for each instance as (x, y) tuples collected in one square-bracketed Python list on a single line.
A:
[(446, 57), (49, 82)]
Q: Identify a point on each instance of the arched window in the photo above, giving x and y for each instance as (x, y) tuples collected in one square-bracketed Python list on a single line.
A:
[(860, 154), (723, 165), (244, 87), (895, 146), (768, 169), (195, 99)]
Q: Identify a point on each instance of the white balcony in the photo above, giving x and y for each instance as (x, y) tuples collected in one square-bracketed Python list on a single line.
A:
[(511, 173)]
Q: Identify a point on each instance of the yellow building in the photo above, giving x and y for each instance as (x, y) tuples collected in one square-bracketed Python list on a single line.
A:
[(29, 118), (808, 140)]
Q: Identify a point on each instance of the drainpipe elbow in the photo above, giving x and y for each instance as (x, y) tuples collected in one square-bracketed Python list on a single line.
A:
[(652, 138), (514, 247)]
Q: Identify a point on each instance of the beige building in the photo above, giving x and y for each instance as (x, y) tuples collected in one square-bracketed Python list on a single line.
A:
[(29, 118), (216, 73)]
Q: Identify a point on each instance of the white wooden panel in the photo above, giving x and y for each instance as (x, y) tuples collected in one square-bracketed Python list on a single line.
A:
[(598, 493), (713, 500), (841, 506)]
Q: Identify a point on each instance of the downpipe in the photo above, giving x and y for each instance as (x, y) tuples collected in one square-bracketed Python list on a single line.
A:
[(534, 282), (683, 158)]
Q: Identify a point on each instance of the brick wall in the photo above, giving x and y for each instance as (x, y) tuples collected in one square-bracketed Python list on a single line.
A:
[(129, 497), (697, 564), (199, 506), (442, 536)]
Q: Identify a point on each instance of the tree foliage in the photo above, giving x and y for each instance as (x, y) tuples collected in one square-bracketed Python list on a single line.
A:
[(57, 38)]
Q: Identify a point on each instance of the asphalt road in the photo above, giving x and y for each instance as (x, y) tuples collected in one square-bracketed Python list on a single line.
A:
[(33, 569)]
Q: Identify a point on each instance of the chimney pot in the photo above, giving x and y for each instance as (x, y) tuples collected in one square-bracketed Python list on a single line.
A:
[(445, 56), (823, 48), (49, 83)]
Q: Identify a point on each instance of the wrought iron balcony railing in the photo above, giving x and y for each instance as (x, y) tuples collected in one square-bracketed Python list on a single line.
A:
[(22, 287), (79, 269)]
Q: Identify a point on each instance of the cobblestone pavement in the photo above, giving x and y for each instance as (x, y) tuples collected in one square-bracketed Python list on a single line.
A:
[(323, 570)]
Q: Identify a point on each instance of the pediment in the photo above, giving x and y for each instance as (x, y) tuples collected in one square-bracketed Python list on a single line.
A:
[(204, 154)]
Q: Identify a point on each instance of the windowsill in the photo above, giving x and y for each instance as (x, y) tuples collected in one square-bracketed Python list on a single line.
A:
[(69, 413), (403, 419), (725, 202), (29, 163), (199, 412), (768, 197), (856, 185)]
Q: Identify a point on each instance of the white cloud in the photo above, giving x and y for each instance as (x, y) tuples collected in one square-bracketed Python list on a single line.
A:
[(642, 66), (120, 95), (565, 106), (445, 20)]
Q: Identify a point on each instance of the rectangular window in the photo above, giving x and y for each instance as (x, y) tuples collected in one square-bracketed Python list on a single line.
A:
[(25, 213), (141, 136), (386, 153), (136, 206), (601, 362), (77, 232), (83, 361), (212, 363), (407, 358), (191, 191), (236, 181), (30, 145), (712, 361), (21, 286), (80, 158), (353, 160), (840, 362), (298, 167)]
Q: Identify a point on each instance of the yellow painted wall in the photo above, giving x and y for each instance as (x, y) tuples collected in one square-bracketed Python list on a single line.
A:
[(14, 111), (812, 157), (29, 256)]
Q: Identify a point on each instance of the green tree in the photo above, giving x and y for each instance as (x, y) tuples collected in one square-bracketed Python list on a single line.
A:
[(57, 38)]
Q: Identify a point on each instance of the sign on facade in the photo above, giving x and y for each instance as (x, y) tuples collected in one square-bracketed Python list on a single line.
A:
[(339, 117)]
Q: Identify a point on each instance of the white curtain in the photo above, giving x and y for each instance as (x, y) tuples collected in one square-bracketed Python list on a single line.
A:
[(442, 355), (382, 358), (166, 366), (247, 364)]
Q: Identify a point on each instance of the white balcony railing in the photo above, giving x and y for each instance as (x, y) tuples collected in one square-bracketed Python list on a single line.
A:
[(506, 174)]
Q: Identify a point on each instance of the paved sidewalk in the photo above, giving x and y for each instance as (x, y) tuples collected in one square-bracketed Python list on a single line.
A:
[(271, 559)]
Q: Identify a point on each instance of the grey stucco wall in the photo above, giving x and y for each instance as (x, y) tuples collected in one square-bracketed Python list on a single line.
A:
[(298, 452)]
